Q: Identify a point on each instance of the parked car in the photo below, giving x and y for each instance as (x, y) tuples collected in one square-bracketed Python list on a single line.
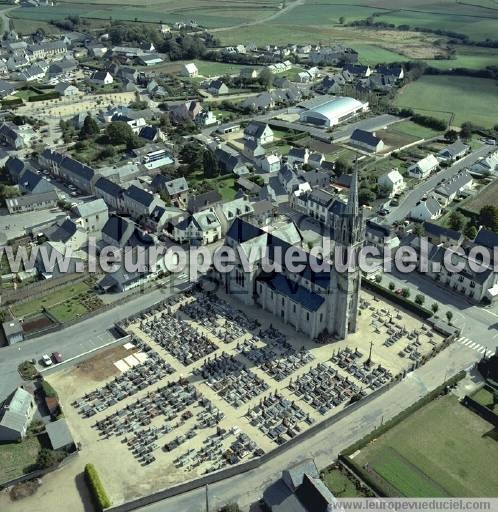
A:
[(57, 357), (46, 360)]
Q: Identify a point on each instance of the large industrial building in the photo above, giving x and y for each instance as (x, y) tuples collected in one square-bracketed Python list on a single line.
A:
[(332, 112)]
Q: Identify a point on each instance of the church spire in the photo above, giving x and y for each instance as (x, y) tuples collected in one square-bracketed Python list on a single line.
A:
[(353, 207)]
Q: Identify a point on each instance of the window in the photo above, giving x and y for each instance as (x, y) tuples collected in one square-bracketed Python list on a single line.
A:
[(307, 317)]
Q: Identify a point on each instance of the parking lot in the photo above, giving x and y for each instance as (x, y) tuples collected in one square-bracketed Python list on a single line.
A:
[(205, 383)]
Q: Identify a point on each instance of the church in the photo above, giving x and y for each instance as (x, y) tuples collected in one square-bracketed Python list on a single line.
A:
[(313, 300)]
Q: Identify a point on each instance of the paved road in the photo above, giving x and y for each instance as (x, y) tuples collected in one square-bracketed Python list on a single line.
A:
[(78, 339), (324, 446), (411, 199)]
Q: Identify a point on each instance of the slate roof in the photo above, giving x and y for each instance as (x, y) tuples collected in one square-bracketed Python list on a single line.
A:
[(108, 187), (119, 229), (255, 129), (436, 230), (139, 195), (294, 291), (196, 203), (31, 182), (487, 239), (365, 137), (176, 186)]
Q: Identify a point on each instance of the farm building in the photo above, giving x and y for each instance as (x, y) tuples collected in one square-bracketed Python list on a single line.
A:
[(333, 111), (190, 70)]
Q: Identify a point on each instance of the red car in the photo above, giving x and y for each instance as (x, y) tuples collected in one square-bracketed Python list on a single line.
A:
[(57, 357)]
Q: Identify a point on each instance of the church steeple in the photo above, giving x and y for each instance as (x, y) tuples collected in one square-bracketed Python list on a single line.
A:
[(353, 206)]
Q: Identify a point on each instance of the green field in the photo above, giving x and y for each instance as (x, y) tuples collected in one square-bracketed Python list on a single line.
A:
[(442, 449), (63, 302), (468, 57), (469, 99), (18, 458), (224, 14)]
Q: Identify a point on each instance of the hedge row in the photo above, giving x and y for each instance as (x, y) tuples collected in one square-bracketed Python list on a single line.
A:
[(12, 102), (97, 490), (404, 414), (46, 96), (399, 299)]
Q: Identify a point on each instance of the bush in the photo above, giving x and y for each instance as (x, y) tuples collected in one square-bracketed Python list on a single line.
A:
[(97, 490), (419, 299), (48, 458), (27, 370), (46, 96), (48, 390)]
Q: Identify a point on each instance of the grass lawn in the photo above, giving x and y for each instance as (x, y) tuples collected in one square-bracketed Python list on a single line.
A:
[(17, 458), (54, 297), (468, 57), (340, 485), (225, 185), (67, 310), (414, 130), (485, 397), (469, 99), (486, 196), (442, 449)]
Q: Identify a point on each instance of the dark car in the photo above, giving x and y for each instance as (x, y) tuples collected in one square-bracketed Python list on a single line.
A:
[(57, 357)]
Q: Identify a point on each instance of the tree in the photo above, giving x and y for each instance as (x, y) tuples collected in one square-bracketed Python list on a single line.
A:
[(466, 130), (470, 231), (342, 167), (419, 299), (210, 164), (392, 286), (457, 220), (342, 20), (366, 196), (451, 136), (265, 78), (435, 307), (378, 278), (449, 316), (488, 217), (120, 132), (405, 292), (89, 128)]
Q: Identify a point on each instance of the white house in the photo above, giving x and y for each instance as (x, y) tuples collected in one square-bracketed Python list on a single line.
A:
[(65, 89), (486, 166), (270, 163), (16, 415), (101, 78), (259, 132), (424, 167), (190, 70), (393, 182), (426, 209)]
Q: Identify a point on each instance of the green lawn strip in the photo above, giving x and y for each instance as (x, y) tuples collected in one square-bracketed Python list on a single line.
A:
[(409, 480)]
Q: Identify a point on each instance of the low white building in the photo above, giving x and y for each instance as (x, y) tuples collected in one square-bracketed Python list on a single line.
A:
[(16, 415), (270, 163), (190, 70), (424, 167), (101, 78), (393, 182)]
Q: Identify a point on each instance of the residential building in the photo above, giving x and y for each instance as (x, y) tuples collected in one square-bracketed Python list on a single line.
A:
[(393, 183), (177, 191), (451, 188), (65, 89), (366, 141), (426, 209), (14, 136), (101, 78), (424, 167), (32, 202), (487, 166), (16, 415), (270, 163), (190, 70), (199, 228), (259, 132), (93, 215), (453, 152), (139, 202)]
